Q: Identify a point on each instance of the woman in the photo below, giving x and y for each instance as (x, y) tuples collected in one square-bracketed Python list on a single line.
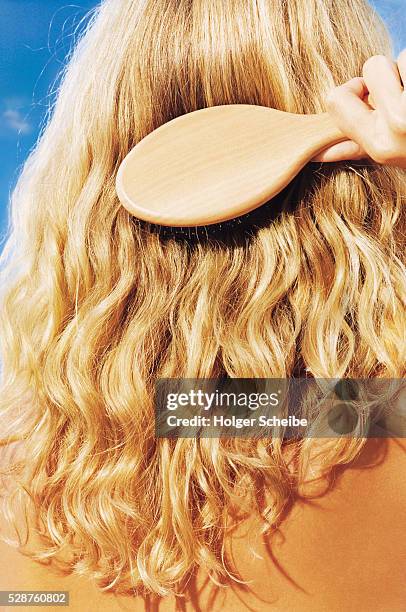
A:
[(97, 307)]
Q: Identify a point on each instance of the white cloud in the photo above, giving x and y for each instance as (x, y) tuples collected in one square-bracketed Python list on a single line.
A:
[(15, 120)]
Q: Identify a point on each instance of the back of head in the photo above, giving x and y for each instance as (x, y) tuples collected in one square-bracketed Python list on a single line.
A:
[(97, 306)]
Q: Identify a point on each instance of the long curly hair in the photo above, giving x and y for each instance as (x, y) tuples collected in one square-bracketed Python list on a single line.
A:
[(96, 306)]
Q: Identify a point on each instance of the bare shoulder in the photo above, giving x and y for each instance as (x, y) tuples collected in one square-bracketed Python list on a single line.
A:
[(343, 550)]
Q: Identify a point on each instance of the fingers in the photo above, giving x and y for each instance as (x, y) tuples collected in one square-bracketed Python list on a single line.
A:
[(348, 149), (353, 116), (383, 81), (371, 112)]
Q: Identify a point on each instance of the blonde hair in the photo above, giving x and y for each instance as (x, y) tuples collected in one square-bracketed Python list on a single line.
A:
[(96, 307)]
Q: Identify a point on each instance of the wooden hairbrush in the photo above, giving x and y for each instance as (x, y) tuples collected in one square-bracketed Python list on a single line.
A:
[(219, 163)]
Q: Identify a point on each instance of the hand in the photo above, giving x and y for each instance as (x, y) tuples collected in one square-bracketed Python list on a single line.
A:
[(376, 133)]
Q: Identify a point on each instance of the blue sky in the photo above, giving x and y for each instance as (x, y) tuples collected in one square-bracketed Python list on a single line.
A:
[(35, 36)]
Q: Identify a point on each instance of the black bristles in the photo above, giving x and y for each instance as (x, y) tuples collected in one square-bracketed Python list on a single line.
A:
[(236, 229)]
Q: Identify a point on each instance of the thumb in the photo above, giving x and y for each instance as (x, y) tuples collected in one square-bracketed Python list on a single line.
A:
[(348, 149)]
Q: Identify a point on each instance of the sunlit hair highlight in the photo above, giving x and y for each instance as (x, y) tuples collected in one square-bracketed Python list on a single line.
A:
[(95, 306)]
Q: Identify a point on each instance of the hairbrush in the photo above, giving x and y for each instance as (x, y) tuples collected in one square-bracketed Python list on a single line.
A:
[(219, 163)]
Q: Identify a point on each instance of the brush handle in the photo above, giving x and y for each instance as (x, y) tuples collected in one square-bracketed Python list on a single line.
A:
[(313, 133), (316, 132), (324, 131)]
